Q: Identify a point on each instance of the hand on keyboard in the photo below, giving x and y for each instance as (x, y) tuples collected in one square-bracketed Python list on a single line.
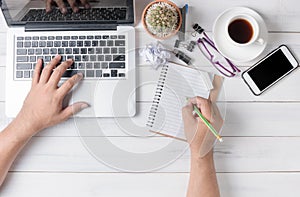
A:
[(43, 106), (60, 3)]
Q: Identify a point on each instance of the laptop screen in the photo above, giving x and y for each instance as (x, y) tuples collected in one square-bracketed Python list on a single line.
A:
[(22, 12)]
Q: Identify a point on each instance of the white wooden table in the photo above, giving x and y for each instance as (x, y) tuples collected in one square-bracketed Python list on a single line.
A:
[(259, 155)]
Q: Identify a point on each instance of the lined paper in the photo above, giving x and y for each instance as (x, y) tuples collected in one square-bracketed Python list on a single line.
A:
[(179, 83)]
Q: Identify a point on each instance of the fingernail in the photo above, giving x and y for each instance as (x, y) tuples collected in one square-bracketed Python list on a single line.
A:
[(57, 56), (64, 10), (84, 106), (70, 60), (76, 10), (87, 6), (80, 76)]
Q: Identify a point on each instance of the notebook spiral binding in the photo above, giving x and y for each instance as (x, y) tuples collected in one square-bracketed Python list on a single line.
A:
[(157, 95)]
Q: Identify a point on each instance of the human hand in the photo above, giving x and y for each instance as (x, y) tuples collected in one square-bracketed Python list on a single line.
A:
[(198, 135), (62, 6), (43, 106)]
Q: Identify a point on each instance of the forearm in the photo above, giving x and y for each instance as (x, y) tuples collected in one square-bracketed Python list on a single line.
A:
[(203, 180), (12, 140)]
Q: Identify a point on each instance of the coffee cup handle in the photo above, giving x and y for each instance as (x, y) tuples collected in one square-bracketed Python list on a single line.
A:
[(260, 41)]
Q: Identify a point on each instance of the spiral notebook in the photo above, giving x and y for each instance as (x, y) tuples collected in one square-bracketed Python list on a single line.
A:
[(175, 85)]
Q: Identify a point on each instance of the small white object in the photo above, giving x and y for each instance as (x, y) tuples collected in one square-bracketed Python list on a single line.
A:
[(155, 54)]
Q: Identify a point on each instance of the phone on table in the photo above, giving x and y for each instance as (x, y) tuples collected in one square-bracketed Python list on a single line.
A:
[(268, 71)]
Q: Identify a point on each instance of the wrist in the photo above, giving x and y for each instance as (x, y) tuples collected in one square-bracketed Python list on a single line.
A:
[(197, 159), (23, 128)]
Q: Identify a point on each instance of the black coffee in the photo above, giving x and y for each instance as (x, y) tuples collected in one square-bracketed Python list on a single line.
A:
[(240, 30)]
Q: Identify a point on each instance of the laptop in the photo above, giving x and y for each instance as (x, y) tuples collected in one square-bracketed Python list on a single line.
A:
[(101, 40)]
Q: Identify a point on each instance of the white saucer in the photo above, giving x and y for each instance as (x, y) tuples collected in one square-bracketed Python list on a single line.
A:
[(227, 48)]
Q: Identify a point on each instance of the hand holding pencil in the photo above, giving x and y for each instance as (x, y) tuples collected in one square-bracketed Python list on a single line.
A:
[(202, 121)]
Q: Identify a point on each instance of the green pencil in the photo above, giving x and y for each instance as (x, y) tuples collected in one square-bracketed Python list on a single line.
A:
[(211, 128)]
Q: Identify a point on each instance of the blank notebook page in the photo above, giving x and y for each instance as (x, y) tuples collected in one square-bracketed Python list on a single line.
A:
[(175, 85)]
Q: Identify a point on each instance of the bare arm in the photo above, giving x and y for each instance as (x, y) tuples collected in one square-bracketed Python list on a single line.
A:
[(42, 108), (203, 180)]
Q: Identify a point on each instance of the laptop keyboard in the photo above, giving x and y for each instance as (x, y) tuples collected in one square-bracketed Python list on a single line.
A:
[(93, 14), (96, 56)]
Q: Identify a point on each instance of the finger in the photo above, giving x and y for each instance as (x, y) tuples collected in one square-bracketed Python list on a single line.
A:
[(187, 113), (61, 6), (37, 72), (48, 5), (73, 109), (73, 5), (47, 71), (69, 84), (85, 4), (204, 106), (59, 71)]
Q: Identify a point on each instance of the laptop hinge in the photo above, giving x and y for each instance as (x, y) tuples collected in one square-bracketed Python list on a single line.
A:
[(69, 27)]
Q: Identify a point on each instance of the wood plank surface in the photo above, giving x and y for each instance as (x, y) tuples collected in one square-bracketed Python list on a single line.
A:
[(146, 184)]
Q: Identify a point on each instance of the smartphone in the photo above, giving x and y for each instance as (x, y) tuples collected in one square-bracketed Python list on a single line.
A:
[(269, 70)]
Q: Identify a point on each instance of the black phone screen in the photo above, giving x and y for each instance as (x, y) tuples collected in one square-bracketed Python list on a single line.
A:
[(270, 70)]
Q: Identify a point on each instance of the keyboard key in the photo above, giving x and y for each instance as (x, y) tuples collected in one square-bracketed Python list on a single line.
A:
[(91, 50), (64, 43), (24, 66), (119, 57), (121, 36), (100, 58), (102, 43), (27, 44), (72, 43), (93, 58), (49, 43), (76, 51), (122, 50), (79, 43), (20, 38), (21, 51), (66, 37), (45, 51), (110, 43), (97, 37), (114, 73), (58, 37), (53, 51), (89, 65), (19, 44), (98, 73), (106, 75), (35, 44), (121, 74), (83, 51), (116, 65), (68, 51), (19, 74), (106, 50), (57, 43), (22, 59), (82, 37), (74, 37), (35, 38), (94, 43), (30, 51), (38, 51), (114, 50), (87, 43), (98, 50), (85, 58), (108, 58), (26, 74), (120, 43), (90, 37), (113, 37), (32, 58), (81, 65), (47, 58), (60, 51), (97, 65), (43, 38), (104, 65), (89, 73), (105, 37), (77, 58), (51, 37), (42, 44)]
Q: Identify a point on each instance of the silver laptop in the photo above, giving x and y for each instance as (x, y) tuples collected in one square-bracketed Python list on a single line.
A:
[(101, 40)]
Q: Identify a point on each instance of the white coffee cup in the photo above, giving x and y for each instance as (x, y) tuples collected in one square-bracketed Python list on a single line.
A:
[(252, 25)]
